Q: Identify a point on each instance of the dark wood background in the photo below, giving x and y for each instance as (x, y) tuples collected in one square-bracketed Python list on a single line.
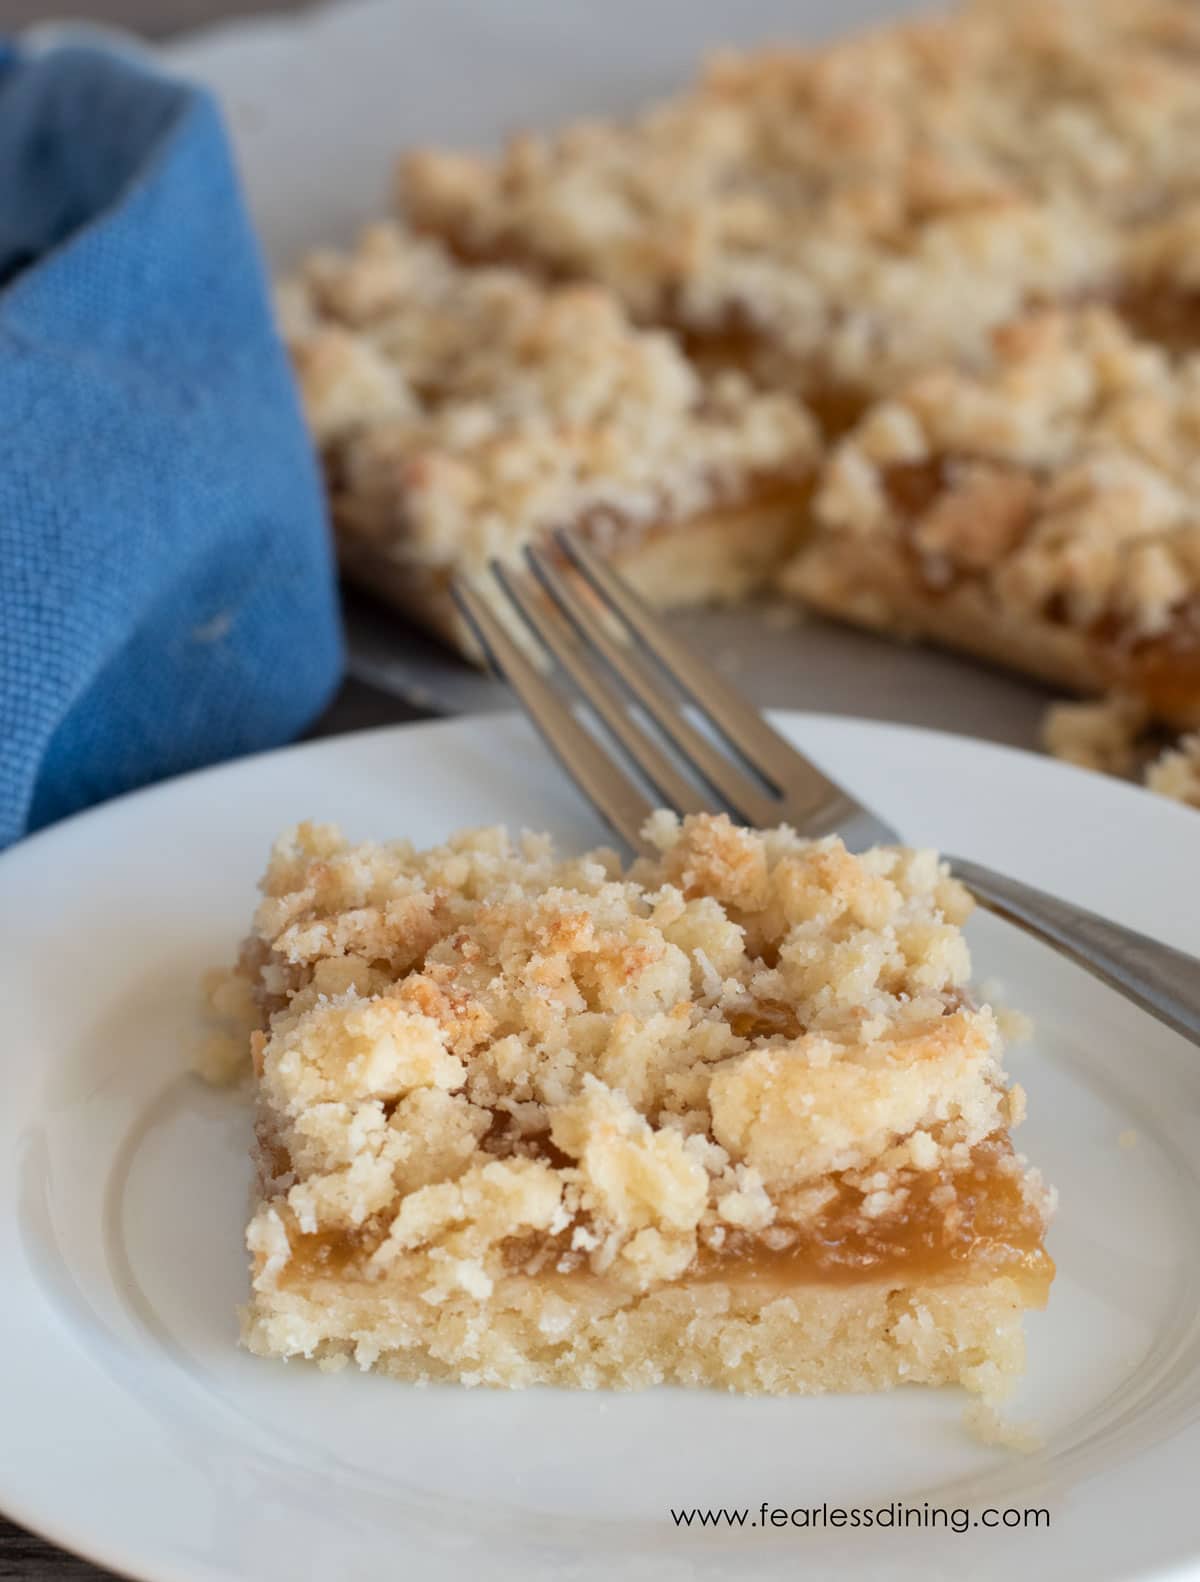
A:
[(24, 1557), (150, 18)]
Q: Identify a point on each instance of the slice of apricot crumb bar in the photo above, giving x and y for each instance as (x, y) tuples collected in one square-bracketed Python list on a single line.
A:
[(728, 1117)]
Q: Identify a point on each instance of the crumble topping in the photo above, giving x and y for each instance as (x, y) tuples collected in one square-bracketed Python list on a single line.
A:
[(993, 101), (988, 1426), (855, 211), (485, 1053), (1177, 772), (462, 411), (1114, 736), (1104, 735), (1064, 475)]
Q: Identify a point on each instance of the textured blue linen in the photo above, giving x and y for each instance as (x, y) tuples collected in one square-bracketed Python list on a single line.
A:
[(167, 594)]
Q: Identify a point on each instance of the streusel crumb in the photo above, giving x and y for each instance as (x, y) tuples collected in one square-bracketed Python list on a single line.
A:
[(1176, 773), (1064, 474), (989, 1427), (848, 213), (231, 1001), (486, 1072), (1039, 509), (1114, 736), (463, 411), (1104, 735)]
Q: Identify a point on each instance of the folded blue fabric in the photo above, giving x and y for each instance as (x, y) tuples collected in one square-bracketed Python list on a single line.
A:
[(167, 594)]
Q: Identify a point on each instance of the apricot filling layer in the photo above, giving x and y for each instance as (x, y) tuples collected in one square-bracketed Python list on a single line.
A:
[(729, 1116), (973, 1223)]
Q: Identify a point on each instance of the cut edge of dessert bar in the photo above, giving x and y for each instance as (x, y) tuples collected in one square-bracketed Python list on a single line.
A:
[(713, 558), (731, 1117), (464, 413), (1036, 511)]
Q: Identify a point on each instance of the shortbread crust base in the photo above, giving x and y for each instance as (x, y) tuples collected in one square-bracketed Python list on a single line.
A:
[(806, 1339), (870, 586), (718, 557)]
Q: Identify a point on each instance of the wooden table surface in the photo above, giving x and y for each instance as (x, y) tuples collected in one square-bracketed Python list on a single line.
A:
[(23, 1557), (150, 18)]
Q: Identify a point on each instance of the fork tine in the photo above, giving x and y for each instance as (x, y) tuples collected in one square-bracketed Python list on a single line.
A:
[(612, 793), (677, 790), (744, 797), (811, 796)]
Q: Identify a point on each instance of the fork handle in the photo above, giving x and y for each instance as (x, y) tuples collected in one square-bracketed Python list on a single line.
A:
[(1162, 980)]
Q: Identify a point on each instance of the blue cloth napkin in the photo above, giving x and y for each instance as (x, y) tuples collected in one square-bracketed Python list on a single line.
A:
[(167, 594)]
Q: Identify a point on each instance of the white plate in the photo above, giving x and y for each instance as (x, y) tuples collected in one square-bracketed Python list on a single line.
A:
[(134, 1430)]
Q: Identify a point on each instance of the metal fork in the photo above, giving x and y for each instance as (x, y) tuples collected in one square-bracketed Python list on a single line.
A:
[(624, 664)]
